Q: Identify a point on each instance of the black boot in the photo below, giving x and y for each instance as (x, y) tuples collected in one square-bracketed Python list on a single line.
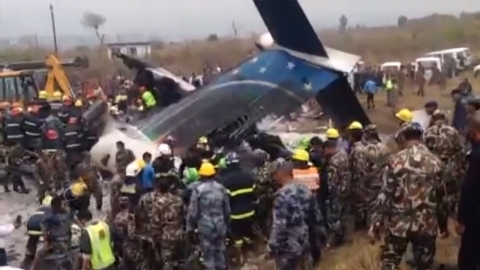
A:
[(6, 189)]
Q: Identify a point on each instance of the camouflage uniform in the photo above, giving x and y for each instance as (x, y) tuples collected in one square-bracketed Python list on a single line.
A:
[(167, 227), (59, 170), (338, 191), (265, 193), (14, 159), (407, 203), (209, 213), (93, 183), (115, 192), (295, 211), (58, 227), (123, 158), (359, 170), (121, 223), (3, 166), (376, 158), (444, 141)]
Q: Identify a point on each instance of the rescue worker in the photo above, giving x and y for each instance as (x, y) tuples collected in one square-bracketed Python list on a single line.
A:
[(203, 148), (444, 141), (338, 206), (32, 126), (34, 230), (209, 205), (56, 229), (55, 102), (115, 191), (407, 208), (52, 134), (304, 171), (121, 102), (240, 186), (14, 159), (76, 195), (132, 178), (44, 106), (332, 134), (297, 221), (404, 116), (13, 129), (148, 99), (73, 146), (96, 243), (165, 212), (65, 111), (123, 156)]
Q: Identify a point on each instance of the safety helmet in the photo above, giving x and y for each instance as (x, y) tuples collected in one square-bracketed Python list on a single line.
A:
[(57, 94), (47, 201), (203, 140), (207, 169), (164, 149), (332, 133), (78, 188), (355, 125), (232, 158), (78, 103), (42, 94), (67, 98), (405, 115), (301, 155)]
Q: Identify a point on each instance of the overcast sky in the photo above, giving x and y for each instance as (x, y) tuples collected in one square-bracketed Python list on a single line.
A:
[(181, 19)]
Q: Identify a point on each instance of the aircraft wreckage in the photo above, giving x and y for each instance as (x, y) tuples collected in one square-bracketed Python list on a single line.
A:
[(291, 67)]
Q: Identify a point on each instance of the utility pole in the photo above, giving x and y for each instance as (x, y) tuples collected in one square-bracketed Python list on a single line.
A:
[(54, 29)]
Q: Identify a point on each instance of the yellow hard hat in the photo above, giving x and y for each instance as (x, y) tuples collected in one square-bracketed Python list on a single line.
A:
[(207, 169), (42, 94), (301, 155), (47, 201), (78, 188), (78, 103), (203, 140), (355, 125), (332, 133), (57, 94), (405, 115)]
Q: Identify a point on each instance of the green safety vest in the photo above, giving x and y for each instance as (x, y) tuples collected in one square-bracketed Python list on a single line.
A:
[(191, 175), (389, 85), (102, 254), (149, 99)]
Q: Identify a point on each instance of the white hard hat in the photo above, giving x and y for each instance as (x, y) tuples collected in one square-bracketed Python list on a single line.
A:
[(164, 149), (133, 169)]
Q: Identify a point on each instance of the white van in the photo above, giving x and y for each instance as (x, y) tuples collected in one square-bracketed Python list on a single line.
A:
[(455, 53), (390, 66), (427, 63)]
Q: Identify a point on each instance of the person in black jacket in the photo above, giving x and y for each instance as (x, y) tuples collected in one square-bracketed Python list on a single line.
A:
[(468, 215), (239, 184)]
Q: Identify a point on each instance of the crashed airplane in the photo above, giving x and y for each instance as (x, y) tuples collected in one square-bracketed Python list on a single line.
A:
[(292, 67)]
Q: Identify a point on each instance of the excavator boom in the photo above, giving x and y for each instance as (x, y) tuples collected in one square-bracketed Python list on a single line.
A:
[(50, 61)]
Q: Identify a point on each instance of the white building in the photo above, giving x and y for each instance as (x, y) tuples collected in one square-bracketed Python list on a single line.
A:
[(135, 49)]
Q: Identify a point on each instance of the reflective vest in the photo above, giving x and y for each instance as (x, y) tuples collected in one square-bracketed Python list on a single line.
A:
[(308, 177), (389, 85), (51, 137), (240, 186), (148, 99), (72, 138), (102, 254), (32, 126), (13, 129)]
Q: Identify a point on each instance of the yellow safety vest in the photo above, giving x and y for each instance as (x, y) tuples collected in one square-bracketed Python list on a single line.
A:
[(389, 85), (102, 253), (149, 99), (130, 189)]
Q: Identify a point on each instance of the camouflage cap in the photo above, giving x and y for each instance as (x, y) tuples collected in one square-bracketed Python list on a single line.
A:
[(410, 126), (281, 165), (371, 129)]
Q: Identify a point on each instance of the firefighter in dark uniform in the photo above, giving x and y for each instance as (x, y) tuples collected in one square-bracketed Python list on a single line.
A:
[(65, 111), (240, 185), (73, 146), (13, 126), (34, 231), (52, 133), (32, 126)]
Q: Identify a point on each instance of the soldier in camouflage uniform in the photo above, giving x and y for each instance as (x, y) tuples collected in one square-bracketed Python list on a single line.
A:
[(444, 141), (296, 219), (358, 169), (14, 159), (88, 173), (167, 216), (115, 193), (123, 157), (209, 213), (59, 169), (121, 222), (3, 166), (338, 191), (376, 157), (407, 202), (264, 190)]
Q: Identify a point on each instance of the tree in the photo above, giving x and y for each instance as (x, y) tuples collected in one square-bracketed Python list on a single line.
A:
[(94, 21), (402, 21), (212, 37), (343, 23)]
